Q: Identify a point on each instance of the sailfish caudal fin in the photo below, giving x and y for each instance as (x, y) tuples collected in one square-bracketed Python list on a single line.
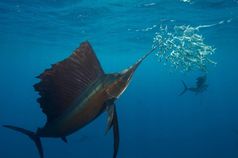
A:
[(32, 135), (185, 88)]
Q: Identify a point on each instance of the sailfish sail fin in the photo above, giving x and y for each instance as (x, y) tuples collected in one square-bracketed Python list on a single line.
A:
[(65, 81)]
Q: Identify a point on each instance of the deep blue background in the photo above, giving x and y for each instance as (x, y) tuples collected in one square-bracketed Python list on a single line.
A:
[(154, 121)]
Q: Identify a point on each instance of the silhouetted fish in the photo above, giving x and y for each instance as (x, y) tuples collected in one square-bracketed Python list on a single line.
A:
[(201, 86), (76, 91)]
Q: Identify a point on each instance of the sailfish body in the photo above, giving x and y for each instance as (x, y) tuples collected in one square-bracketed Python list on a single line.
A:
[(76, 91)]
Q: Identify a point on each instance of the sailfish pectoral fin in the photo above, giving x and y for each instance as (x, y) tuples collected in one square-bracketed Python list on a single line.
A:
[(112, 121), (110, 110)]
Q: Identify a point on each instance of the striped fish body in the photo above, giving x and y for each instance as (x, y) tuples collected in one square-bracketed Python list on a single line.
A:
[(87, 107)]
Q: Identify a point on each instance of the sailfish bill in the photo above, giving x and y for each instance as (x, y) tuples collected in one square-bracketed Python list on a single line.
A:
[(74, 92)]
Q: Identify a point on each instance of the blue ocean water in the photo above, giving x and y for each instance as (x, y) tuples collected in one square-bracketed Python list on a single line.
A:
[(154, 121)]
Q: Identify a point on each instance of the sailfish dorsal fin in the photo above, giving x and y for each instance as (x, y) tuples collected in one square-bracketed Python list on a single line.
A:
[(66, 80)]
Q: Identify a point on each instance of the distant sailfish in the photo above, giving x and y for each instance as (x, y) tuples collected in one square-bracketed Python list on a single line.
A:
[(200, 87), (76, 91)]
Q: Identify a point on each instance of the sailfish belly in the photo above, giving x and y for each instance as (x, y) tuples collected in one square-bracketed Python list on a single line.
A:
[(81, 117), (82, 113)]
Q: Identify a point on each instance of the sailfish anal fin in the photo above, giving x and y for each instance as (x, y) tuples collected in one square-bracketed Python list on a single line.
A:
[(112, 121)]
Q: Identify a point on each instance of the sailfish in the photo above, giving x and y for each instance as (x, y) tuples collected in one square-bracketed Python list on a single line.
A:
[(200, 87), (74, 92)]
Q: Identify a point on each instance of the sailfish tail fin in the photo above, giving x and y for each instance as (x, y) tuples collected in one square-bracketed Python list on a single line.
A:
[(33, 136), (185, 88)]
